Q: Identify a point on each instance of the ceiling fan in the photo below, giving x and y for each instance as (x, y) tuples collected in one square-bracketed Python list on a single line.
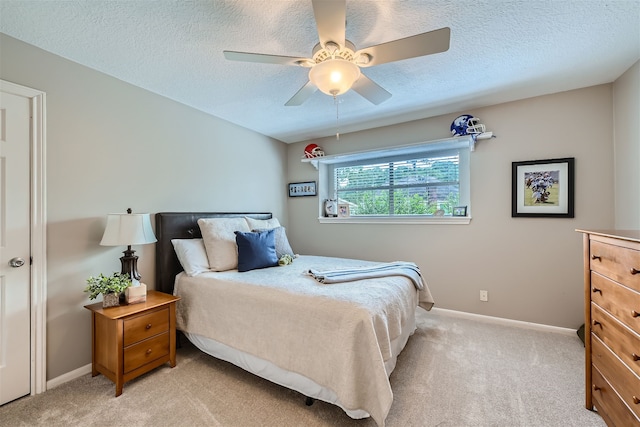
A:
[(335, 64)]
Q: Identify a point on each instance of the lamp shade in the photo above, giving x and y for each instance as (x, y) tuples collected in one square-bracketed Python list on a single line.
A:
[(128, 229), (334, 76)]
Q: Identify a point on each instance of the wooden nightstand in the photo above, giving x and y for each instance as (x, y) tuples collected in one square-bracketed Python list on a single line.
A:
[(130, 340)]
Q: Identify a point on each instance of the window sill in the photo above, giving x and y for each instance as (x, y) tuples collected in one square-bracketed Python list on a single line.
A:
[(457, 220)]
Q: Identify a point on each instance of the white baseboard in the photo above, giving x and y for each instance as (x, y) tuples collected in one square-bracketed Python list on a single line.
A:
[(506, 322), (77, 373)]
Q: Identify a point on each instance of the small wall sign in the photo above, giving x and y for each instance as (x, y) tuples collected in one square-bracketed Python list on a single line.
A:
[(301, 189)]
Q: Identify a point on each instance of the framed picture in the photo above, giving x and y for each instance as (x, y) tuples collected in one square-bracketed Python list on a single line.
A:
[(460, 211), (343, 210), (300, 189), (543, 188)]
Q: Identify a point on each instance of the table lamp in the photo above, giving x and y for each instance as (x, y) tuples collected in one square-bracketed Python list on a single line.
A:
[(126, 230)]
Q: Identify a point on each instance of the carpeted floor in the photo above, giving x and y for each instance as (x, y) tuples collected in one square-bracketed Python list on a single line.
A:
[(454, 372)]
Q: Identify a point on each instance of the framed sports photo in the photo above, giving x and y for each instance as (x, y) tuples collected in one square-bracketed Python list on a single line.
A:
[(543, 188), (302, 189)]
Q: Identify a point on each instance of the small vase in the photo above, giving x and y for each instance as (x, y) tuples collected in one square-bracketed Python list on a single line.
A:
[(111, 299)]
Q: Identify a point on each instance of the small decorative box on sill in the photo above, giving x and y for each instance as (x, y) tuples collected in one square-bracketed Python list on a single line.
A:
[(136, 294)]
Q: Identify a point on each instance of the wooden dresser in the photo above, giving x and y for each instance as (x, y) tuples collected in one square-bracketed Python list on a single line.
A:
[(130, 340), (612, 325)]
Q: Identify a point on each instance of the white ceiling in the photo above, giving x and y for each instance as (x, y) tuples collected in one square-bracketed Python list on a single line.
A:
[(500, 51)]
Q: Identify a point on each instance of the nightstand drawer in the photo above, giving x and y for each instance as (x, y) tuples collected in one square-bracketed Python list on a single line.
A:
[(622, 302), (145, 352), (620, 339), (145, 326), (626, 382), (617, 263)]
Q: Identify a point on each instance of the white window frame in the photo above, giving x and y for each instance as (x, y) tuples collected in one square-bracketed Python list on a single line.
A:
[(325, 166)]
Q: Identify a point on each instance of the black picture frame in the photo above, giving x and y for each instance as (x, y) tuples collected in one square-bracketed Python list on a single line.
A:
[(302, 189), (543, 188), (459, 211)]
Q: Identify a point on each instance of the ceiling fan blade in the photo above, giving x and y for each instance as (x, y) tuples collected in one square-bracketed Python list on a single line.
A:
[(265, 59), (331, 18), (370, 90), (302, 95), (410, 47)]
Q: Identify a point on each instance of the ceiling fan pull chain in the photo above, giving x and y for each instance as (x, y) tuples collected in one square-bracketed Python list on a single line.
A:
[(335, 100)]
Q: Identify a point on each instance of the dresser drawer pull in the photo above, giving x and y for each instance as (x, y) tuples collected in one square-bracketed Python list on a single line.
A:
[(149, 351), (636, 400), (635, 357), (148, 326), (594, 290), (596, 323), (596, 388), (596, 257), (634, 271), (634, 313)]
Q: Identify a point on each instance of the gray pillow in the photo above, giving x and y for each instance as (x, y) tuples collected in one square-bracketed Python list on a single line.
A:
[(282, 243)]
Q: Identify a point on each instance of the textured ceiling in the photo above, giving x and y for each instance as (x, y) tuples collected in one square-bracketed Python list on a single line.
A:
[(500, 51)]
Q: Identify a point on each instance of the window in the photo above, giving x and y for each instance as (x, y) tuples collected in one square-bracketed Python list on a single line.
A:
[(415, 184), (406, 184)]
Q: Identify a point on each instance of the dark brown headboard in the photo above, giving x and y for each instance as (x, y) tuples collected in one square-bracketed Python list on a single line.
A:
[(182, 225)]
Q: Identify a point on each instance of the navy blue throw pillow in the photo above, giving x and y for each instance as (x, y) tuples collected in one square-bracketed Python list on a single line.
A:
[(256, 250)]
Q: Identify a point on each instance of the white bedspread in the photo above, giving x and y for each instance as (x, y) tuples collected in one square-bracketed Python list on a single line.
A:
[(339, 335)]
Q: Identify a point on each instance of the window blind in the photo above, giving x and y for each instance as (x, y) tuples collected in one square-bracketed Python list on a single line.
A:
[(415, 184)]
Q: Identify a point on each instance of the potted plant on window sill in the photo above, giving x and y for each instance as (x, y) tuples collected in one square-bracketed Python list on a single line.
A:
[(109, 286)]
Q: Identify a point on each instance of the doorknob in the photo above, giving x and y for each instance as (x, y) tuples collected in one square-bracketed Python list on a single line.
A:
[(16, 262)]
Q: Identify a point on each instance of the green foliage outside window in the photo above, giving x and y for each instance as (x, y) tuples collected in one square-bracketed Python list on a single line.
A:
[(406, 187)]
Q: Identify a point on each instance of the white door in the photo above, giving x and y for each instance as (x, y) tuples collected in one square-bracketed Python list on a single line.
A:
[(15, 251)]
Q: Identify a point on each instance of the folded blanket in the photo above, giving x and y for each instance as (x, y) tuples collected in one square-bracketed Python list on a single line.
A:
[(396, 268)]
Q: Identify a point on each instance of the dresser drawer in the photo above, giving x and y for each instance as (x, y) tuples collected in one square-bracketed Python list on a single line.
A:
[(622, 302), (625, 382), (146, 351), (617, 263), (145, 326), (609, 404), (624, 342)]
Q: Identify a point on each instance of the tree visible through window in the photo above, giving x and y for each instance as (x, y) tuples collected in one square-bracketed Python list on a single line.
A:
[(416, 186)]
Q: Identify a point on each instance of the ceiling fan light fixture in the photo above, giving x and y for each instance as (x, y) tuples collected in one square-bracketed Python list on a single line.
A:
[(334, 76)]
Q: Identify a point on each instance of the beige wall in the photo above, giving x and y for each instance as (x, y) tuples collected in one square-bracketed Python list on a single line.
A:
[(532, 267), (626, 101), (111, 146)]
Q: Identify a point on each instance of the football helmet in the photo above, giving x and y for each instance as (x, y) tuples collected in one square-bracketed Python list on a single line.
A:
[(474, 126), (313, 150), (466, 124)]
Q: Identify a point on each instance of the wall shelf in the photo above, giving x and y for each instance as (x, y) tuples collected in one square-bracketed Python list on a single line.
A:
[(466, 141)]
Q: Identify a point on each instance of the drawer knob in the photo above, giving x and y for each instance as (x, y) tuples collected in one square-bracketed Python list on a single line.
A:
[(596, 323), (635, 357), (635, 271), (595, 388), (149, 351), (148, 326), (636, 400), (594, 290), (634, 313), (596, 257)]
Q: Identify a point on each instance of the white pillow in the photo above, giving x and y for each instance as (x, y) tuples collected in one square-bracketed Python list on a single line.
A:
[(219, 239), (192, 255), (262, 224)]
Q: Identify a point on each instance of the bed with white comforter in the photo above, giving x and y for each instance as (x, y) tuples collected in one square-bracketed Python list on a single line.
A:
[(336, 342)]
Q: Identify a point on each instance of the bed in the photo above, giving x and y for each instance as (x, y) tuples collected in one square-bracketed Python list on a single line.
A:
[(333, 342)]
